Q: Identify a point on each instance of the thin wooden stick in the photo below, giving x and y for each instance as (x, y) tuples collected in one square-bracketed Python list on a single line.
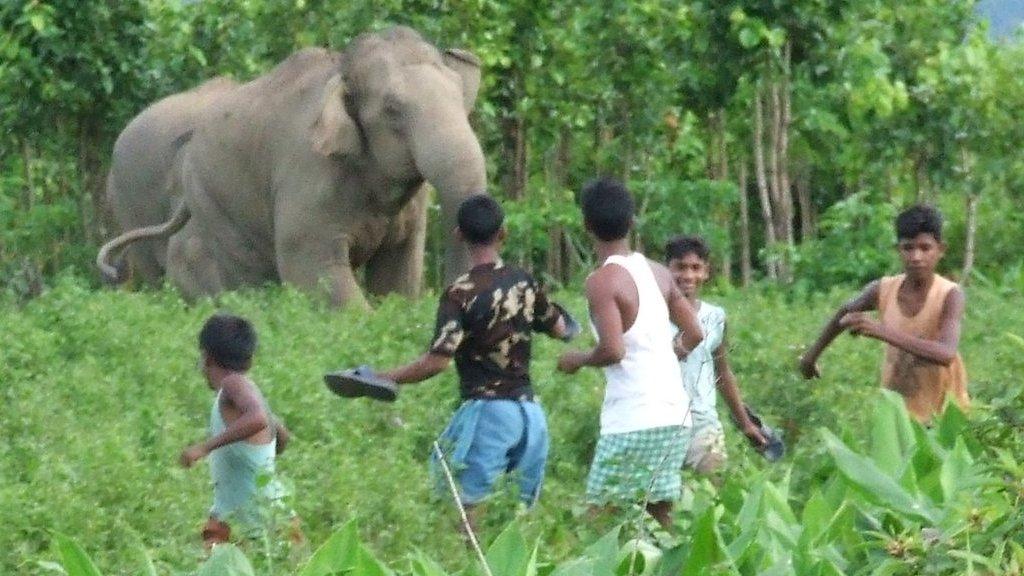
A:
[(462, 510)]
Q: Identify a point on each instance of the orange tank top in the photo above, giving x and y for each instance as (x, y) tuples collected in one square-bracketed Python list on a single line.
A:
[(923, 384)]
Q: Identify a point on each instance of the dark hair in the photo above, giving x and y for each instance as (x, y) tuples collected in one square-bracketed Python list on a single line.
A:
[(607, 208), (480, 218), (229, 340), (919, 219), (682, 245)]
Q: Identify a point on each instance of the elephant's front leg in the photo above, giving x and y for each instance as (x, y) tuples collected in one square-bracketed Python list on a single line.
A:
[(397, 266), (315, 261)]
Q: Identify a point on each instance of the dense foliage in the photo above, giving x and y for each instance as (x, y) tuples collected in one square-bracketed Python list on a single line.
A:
[(101, 393), (720, 115)]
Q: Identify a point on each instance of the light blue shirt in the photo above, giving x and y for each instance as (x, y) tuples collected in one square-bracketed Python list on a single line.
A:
[(243, 475), (699, 368)]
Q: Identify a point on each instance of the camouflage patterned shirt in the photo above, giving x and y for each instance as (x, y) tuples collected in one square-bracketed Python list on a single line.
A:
[(485, 321)]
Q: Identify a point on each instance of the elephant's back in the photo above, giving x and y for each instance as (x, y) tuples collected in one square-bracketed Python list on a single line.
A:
[(145, 151), (163, 124)]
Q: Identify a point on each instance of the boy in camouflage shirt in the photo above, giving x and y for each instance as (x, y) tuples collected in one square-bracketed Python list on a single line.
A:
[(485, 321)]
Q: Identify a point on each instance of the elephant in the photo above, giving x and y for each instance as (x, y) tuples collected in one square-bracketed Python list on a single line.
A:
[(141, 189), (312, 171)]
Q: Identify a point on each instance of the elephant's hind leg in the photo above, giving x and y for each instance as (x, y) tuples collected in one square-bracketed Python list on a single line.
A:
[(192, 267)]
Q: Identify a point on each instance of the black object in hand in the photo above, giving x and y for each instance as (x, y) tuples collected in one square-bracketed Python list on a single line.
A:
[(360, 382), (776, 448)]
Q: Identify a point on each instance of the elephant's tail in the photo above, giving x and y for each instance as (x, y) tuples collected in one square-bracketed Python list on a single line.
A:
[(117, 273)]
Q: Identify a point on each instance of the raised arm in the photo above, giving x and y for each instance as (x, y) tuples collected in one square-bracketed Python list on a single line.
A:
[(940, 351), (866, 300), (685, 319), (682, 314)]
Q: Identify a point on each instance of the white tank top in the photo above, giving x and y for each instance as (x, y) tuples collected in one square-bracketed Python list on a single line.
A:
[(645, 389)]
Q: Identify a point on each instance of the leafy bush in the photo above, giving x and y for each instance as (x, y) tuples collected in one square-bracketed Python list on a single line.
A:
[(101, 393), (855, 245)]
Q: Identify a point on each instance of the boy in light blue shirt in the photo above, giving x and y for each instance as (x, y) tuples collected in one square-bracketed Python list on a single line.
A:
[(706, 369), (244, 437)]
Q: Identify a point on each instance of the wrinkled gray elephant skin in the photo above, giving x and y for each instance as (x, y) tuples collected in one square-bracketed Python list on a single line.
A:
[(304, 174)]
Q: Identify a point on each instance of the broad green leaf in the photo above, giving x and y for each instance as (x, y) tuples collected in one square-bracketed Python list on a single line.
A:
[(226, 560), (604, 552), (957, 470), (950, 425), (747, 520), (816, 516), (423, 565), (707, 550), (862, 473), (75, 561), (892, 435), (368, 565), (509, 555), (337, 555)]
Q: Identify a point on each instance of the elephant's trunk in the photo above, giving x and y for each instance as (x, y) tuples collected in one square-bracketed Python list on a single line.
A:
[(115, 273), (452, 161)]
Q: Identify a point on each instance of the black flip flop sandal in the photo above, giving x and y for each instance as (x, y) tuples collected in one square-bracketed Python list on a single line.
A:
[(776, 448), (361, 382)]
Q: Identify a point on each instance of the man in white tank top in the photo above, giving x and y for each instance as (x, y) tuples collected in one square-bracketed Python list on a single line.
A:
[(633, 305)]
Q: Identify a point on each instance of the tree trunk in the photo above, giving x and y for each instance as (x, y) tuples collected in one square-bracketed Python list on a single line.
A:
[(26, 159), (762, 179), (785, 190), (746, 271), (558, 256), (803, 196), (515, 155), (921, 176), (972, 229), (724, 216), (972, 218), (90, 168)]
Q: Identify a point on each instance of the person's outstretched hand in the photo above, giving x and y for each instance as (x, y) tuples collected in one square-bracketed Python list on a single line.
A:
[(192, 454), (809, 367), (753, 434), (570, 362)]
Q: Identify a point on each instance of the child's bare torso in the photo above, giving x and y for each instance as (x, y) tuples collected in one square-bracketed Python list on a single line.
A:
[(230, 413)]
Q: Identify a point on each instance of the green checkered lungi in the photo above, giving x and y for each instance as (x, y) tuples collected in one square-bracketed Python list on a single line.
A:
[(634, 466)]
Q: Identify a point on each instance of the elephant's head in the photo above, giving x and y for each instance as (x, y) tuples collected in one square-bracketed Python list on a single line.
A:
[(403, 104)]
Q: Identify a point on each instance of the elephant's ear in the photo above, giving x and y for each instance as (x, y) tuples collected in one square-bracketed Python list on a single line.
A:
[(467, 65), (334, 131)]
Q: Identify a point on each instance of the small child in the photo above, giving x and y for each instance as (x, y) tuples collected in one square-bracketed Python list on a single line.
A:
[(644, 419), (485, 321), (920, 314), (244, 436), (707, 367)]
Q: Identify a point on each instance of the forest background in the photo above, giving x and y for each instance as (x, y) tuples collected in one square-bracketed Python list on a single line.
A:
[(786, 132), (789, 133)]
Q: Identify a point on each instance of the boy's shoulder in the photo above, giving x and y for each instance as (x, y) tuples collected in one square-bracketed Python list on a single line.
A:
[(239, 380), (710, 311)]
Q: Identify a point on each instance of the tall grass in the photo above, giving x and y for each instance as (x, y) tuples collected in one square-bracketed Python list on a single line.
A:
[(100, 393)]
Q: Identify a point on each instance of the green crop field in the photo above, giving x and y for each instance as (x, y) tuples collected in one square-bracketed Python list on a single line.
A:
[(101, 393)]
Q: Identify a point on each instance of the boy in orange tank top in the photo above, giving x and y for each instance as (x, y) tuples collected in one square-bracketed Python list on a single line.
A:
[(919, 320)]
